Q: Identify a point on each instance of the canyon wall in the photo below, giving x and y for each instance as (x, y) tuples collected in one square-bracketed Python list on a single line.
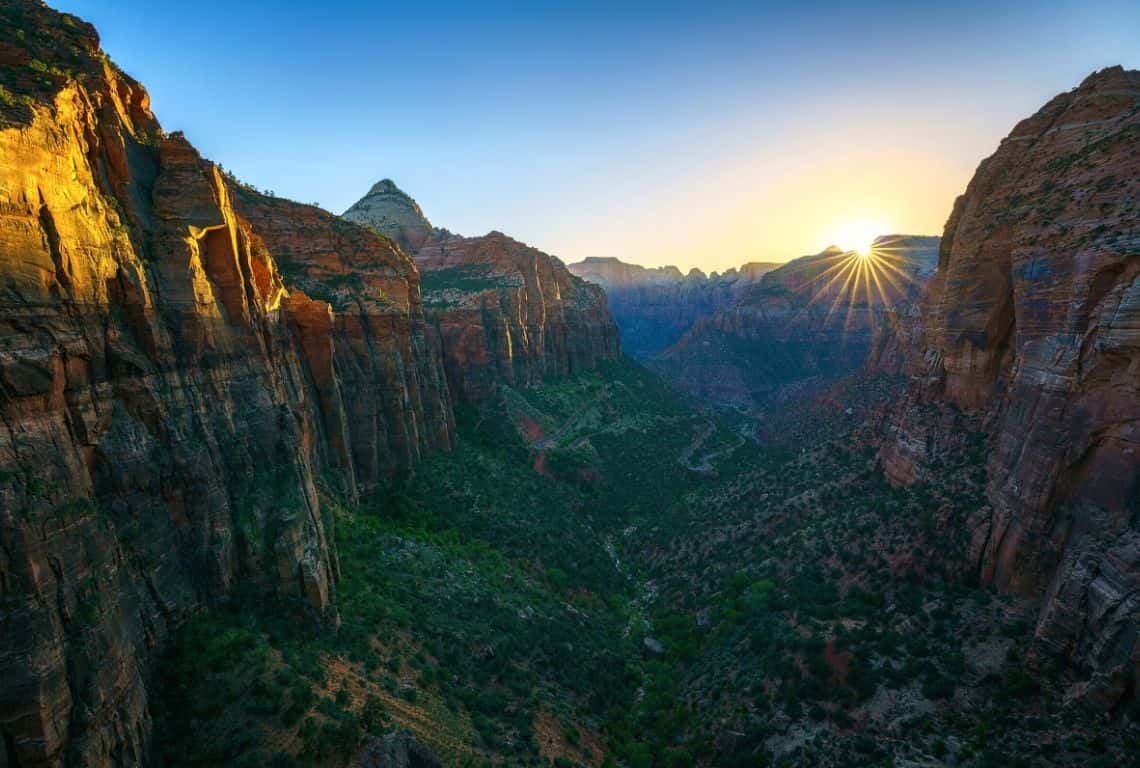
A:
[(654, 307), (171, 398), (1031, 331), (504, 312)]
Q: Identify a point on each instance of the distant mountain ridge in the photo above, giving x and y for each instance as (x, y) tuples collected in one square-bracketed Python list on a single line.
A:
[(654, 306), (802, 324), (610, 271)]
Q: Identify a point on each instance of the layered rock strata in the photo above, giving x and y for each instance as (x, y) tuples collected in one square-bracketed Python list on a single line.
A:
[(171, 399), (504, 312), (1032, 327)]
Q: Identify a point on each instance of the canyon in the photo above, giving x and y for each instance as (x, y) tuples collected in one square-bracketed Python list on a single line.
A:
[(289, 488)]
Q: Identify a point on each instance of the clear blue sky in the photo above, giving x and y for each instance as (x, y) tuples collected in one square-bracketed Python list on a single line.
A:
[(700, 134)]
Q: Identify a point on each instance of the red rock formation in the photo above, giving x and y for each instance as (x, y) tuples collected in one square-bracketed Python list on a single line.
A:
[(511, 313), (168, 402), (384, 355), (504, 311), (1032, 328)]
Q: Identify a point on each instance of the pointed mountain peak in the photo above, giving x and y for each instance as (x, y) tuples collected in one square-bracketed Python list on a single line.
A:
[(1109, 75), (386, 187), (390, 211)]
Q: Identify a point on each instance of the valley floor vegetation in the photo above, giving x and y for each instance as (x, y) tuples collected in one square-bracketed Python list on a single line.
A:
[(565, 588)]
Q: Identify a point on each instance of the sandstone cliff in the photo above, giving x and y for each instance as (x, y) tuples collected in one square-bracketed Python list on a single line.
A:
[(503, 311), (1031, 329), (170, 399), (654, 307), (801, 326)]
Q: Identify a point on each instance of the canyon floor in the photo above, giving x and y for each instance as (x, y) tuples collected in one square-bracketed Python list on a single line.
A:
[(567, 586)]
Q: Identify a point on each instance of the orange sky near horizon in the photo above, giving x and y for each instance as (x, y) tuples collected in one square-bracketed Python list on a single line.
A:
[(777, 206)]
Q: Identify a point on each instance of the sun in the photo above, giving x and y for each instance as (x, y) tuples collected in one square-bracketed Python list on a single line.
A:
[(858, 236), (868, 270)]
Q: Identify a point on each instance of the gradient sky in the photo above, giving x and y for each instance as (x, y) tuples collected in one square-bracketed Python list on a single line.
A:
[(697, 134)]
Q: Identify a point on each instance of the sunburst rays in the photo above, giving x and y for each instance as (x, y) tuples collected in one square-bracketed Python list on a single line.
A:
[(854, 281)]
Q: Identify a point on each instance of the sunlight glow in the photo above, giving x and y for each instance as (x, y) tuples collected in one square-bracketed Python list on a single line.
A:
[(858, 235), (866, 275)]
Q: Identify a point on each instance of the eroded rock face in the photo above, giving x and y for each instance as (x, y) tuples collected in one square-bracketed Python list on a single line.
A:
[(803, 325), (169, 400), (504, 312), (510, 313), (1032, 325), (654, 307), (384, 399)]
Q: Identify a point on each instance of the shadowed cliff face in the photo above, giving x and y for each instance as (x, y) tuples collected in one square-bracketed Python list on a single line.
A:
[(801, 326), (169, 399), (654, 307), (504, 312), (1032, 327), (373, 363)]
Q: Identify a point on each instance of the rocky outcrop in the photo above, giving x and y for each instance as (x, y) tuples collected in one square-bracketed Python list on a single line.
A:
[(170, 398), (654, 307), (1032, 328), (395, 750), (391, 211), (801, 326), (504, 312)]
